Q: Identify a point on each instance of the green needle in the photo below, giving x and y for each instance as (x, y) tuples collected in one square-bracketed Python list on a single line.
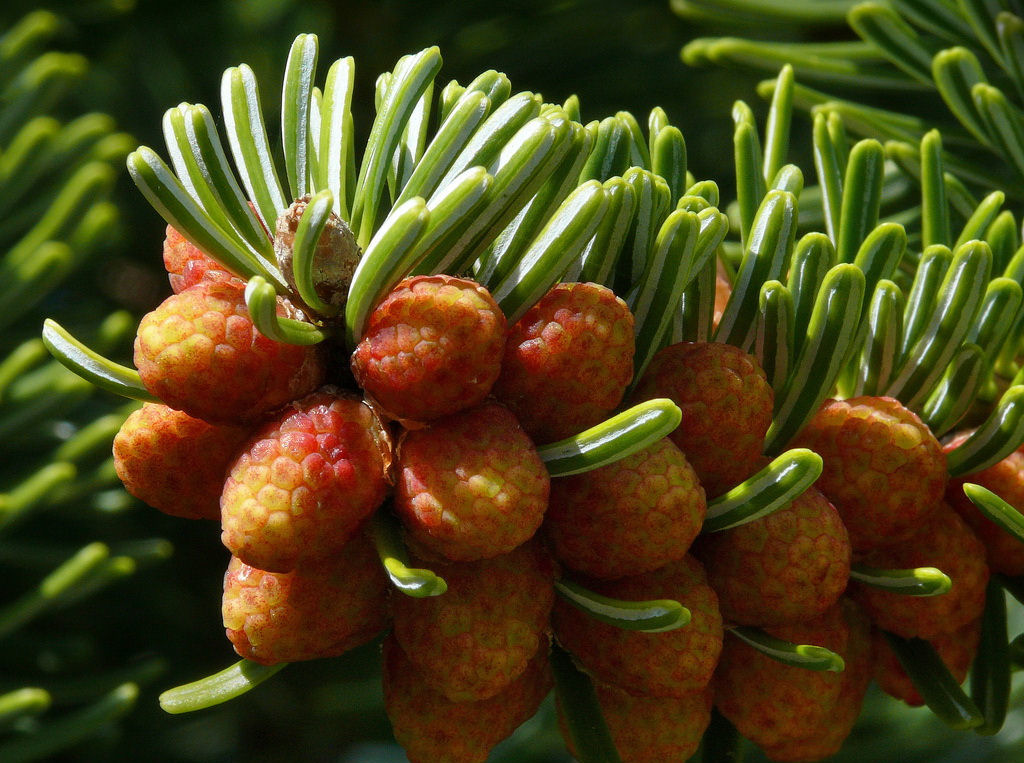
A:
[(220, 687)]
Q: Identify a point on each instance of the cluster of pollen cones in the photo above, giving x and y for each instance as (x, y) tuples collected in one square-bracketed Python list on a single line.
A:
[(434, 419)]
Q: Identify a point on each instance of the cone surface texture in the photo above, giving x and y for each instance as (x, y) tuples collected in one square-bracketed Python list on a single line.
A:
[(304, 483), (884, 470), (471, 486), (568, 361), (669, 664), (199, 352), (789, 566), (174, 462), (726, 403), (477, 638), (629, 517), (431, 348), (433, 729), (322, 609), (1006, 479), (944, 541), (773, 704)]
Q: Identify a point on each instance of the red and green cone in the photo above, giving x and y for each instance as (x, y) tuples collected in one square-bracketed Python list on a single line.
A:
[(884, 470), (726, 403), (199, 352), (432, 347), (305, 481), (568, 361), (629, 517), (669, 664), (433, 729), (471, 485), (295, 496), (321, 609), (174, 462), (475, 639)]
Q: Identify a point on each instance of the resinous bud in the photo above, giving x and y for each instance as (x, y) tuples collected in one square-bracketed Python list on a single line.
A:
[(334, 260)]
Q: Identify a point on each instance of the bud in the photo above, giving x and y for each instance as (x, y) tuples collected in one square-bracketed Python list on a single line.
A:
[(334, 261)]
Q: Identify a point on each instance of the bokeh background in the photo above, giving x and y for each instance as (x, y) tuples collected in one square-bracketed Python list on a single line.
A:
[(161, 627)]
